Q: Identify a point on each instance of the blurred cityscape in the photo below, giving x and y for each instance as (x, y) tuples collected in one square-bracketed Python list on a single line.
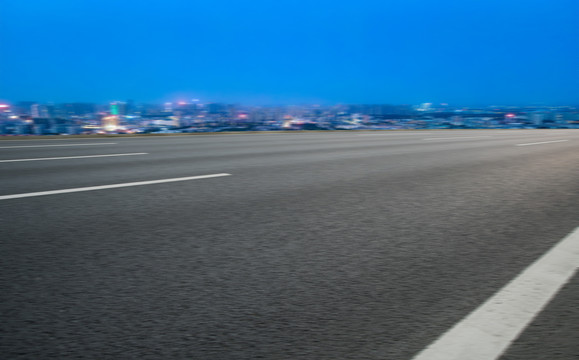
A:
[(128, 117)]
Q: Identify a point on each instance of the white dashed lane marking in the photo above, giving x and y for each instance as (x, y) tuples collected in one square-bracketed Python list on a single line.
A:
[(457, 138), (112, 186), (60, 145), (542, 142), (71, 157)]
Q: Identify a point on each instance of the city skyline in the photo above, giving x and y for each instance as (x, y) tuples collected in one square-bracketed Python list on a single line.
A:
[(183, 101), (130, 117), (263, 53)]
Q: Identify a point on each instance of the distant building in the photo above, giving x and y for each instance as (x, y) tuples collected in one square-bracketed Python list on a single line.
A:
[(76, 109), (216, 108), (536, 118), (39, 111), (118, 108)]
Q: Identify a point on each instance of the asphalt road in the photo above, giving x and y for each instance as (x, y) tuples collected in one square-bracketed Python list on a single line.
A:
[(337, 245)]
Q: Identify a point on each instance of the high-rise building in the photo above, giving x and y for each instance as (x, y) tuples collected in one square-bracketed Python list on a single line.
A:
[(118, 108), (39, 111)]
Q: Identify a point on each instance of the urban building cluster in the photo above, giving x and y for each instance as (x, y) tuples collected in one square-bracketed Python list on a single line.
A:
[(127, 117)]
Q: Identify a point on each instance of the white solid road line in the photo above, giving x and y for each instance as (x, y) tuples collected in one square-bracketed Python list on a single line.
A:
[(488, 331), (542, 142), (457, 137), (71, 157), (30, 146), (112, 186)]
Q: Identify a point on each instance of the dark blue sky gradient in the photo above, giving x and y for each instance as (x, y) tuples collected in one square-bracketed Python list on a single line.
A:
[(266, 52)]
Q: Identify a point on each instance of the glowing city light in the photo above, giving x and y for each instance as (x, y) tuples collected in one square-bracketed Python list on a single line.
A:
[(110, 123), (4, 106)]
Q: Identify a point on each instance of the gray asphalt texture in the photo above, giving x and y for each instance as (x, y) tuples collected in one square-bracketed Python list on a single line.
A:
[(341, 245), (554, 335)]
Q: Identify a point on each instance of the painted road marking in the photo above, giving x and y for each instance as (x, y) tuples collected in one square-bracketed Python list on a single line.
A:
[(489, 330), (30, 146), (542, 142), (60, 139), (382, 134), (112, 186), (457, 137), (72, 157)]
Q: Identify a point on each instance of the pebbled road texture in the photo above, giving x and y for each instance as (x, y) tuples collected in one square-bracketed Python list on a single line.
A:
[(319, 246)]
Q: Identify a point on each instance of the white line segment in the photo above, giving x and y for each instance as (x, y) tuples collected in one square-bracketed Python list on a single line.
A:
[(61, 139), (488, 331), (112, 186), (71, 157), (383, 134), (542, 142), (31, 146), (457, 137)]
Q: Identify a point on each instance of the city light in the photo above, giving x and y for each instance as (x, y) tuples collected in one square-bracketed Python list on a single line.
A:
[(188, 116), (110, 123)]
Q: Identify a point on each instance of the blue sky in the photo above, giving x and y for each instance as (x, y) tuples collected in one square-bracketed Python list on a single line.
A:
[(389, 51)]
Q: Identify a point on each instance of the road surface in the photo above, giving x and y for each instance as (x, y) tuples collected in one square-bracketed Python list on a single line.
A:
[(331, 245)]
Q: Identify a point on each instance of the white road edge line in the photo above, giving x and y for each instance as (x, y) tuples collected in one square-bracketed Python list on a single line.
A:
[(112, 186), (30, 146), (72, 157), (542, 142), (459, 137), (489, 330)]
